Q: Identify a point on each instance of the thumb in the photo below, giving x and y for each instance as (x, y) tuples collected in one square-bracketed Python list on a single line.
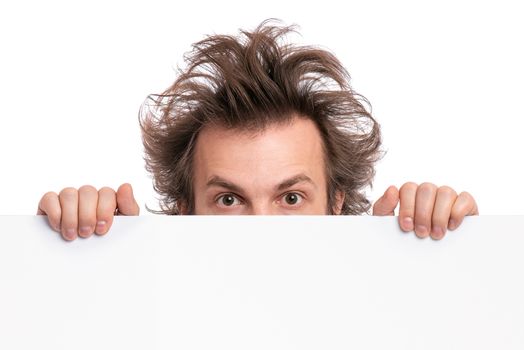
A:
[(386, 204), (126, 203)]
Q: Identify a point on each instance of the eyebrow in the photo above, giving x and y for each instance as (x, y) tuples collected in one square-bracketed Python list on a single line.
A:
[(294, 180), (221, 182)]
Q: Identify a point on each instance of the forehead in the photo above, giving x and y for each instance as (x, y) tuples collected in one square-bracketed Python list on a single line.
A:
[(279, 150)]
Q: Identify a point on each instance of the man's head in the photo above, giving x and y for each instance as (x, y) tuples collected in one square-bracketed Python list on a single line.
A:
[(257, 126)]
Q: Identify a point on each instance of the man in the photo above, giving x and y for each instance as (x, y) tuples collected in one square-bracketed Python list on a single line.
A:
[(255, 126)]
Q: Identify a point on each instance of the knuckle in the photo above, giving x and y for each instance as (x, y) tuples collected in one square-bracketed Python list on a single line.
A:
[(49, 195), (68, 192), (87, 189), (48, 203), (465, 204), (408, 185), (427, 186), (125, 184), (447, 191), (466, 195), (106, 190)]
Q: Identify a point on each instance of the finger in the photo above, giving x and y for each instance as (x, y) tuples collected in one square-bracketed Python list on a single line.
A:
[(126, 202), (105, 210), (406, 213), (69, 203), (87, 203), (464, 205), (386, 204), (424, 203), (50, 205), (444, 201)]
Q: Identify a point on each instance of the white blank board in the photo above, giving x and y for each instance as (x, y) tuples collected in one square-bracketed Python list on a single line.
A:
[(302, 282)]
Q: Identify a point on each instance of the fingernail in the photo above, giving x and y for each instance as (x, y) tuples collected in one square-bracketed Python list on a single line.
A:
[(452, 224), (438, 232), (408, 224), (86, 230), (421, 230), (70, 233)]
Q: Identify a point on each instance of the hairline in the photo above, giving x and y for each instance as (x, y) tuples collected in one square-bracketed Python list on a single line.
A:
[(256, 131)]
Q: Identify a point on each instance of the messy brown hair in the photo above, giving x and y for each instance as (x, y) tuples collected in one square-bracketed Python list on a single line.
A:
[(248, 82)]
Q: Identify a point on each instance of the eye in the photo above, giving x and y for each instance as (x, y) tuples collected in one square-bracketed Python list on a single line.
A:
[(293, 198), (227, 200)]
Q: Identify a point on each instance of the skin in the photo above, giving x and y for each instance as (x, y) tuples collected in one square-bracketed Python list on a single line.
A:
[(264, 174), (278, 171)]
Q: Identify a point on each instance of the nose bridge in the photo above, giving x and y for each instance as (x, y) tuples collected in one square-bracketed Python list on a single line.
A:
[(260, 201), (261, 207)]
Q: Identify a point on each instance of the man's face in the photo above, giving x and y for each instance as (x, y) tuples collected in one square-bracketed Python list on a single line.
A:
[(278, 171)]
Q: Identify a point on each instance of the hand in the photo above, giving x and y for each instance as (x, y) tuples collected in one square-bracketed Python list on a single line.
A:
[(81, 212), (426, 209)]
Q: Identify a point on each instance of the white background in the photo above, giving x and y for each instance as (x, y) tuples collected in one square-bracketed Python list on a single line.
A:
[(444, 79)]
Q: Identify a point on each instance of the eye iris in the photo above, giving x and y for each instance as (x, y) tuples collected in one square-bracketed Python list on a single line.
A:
[(228, 200), (291, 198)]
